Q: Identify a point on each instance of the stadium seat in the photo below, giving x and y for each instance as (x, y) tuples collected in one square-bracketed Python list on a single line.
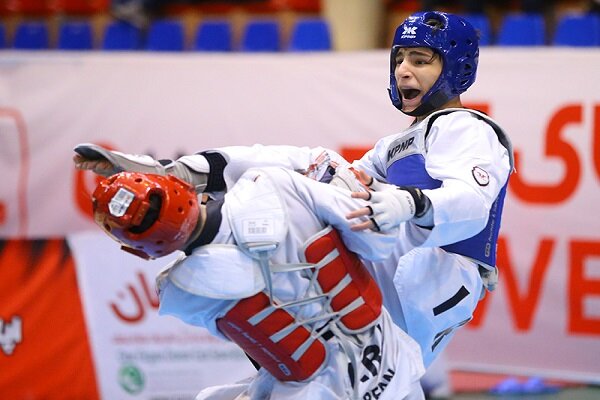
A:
[(75, 36), (120, 35), (165, 35), (481, 23), (2, 37), (578, 30), (310, 35), (213, 36), (261, 35), (31, 36), (522, 30)]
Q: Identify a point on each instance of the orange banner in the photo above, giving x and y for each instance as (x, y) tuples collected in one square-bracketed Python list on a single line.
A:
[(45, 349)]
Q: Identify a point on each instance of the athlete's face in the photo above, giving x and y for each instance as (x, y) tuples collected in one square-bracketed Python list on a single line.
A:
[(417, 69)]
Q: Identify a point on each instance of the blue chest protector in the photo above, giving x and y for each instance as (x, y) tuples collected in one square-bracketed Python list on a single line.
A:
[(410, 171)]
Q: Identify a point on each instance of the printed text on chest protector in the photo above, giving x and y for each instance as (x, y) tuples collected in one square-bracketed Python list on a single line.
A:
[(399, 150)]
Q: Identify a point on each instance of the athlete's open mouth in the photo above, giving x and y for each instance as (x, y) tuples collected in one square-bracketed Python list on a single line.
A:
[(409, 93)]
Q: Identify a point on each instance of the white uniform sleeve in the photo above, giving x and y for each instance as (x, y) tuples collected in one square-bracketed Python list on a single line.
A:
[(331, 204), (241, 158), (192, 309), (371, 163), (466, 155)]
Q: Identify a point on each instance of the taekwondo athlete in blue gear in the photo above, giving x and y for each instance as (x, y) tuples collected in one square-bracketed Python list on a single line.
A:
[(455, 41), (443, 180)]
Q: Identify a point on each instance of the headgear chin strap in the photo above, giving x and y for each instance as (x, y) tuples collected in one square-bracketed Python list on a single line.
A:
[(454, 40), (436, 100)]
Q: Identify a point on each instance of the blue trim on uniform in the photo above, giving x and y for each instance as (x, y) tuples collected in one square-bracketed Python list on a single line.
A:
[(482, 247), (410, 171)]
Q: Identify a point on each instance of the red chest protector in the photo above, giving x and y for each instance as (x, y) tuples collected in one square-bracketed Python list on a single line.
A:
[(352, 291), (278, 341)]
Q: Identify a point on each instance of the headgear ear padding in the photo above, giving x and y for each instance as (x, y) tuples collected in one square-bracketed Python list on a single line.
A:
[(150, 215)]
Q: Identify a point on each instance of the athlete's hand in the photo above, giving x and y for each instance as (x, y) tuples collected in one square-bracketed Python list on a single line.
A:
[(107, 162), (347, 177), (373, 184), (100, 166), (389, 206)]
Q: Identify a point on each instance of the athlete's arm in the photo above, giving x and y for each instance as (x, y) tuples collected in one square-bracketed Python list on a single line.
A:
[(211, 170), (466, 155)]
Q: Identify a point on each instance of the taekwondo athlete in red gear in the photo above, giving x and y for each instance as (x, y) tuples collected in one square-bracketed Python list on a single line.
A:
[(446, 174), (272, 267)]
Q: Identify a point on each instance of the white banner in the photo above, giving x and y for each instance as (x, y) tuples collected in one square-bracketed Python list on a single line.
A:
[(545, 316), (139, 354)]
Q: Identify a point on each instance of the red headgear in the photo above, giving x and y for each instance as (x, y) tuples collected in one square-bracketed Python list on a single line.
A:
[(150, 215)]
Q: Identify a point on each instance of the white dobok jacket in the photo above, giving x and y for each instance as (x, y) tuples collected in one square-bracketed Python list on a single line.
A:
[(256, 249)]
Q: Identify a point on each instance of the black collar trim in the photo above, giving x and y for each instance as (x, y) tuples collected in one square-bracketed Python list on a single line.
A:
[(211, 226)]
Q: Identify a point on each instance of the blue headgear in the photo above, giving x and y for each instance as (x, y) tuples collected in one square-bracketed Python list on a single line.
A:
[(454, 40)]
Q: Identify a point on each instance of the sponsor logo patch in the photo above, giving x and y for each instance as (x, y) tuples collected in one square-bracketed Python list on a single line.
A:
[(409, 30), (131, 379), (399, 148), (120, 202), (481, 176)]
